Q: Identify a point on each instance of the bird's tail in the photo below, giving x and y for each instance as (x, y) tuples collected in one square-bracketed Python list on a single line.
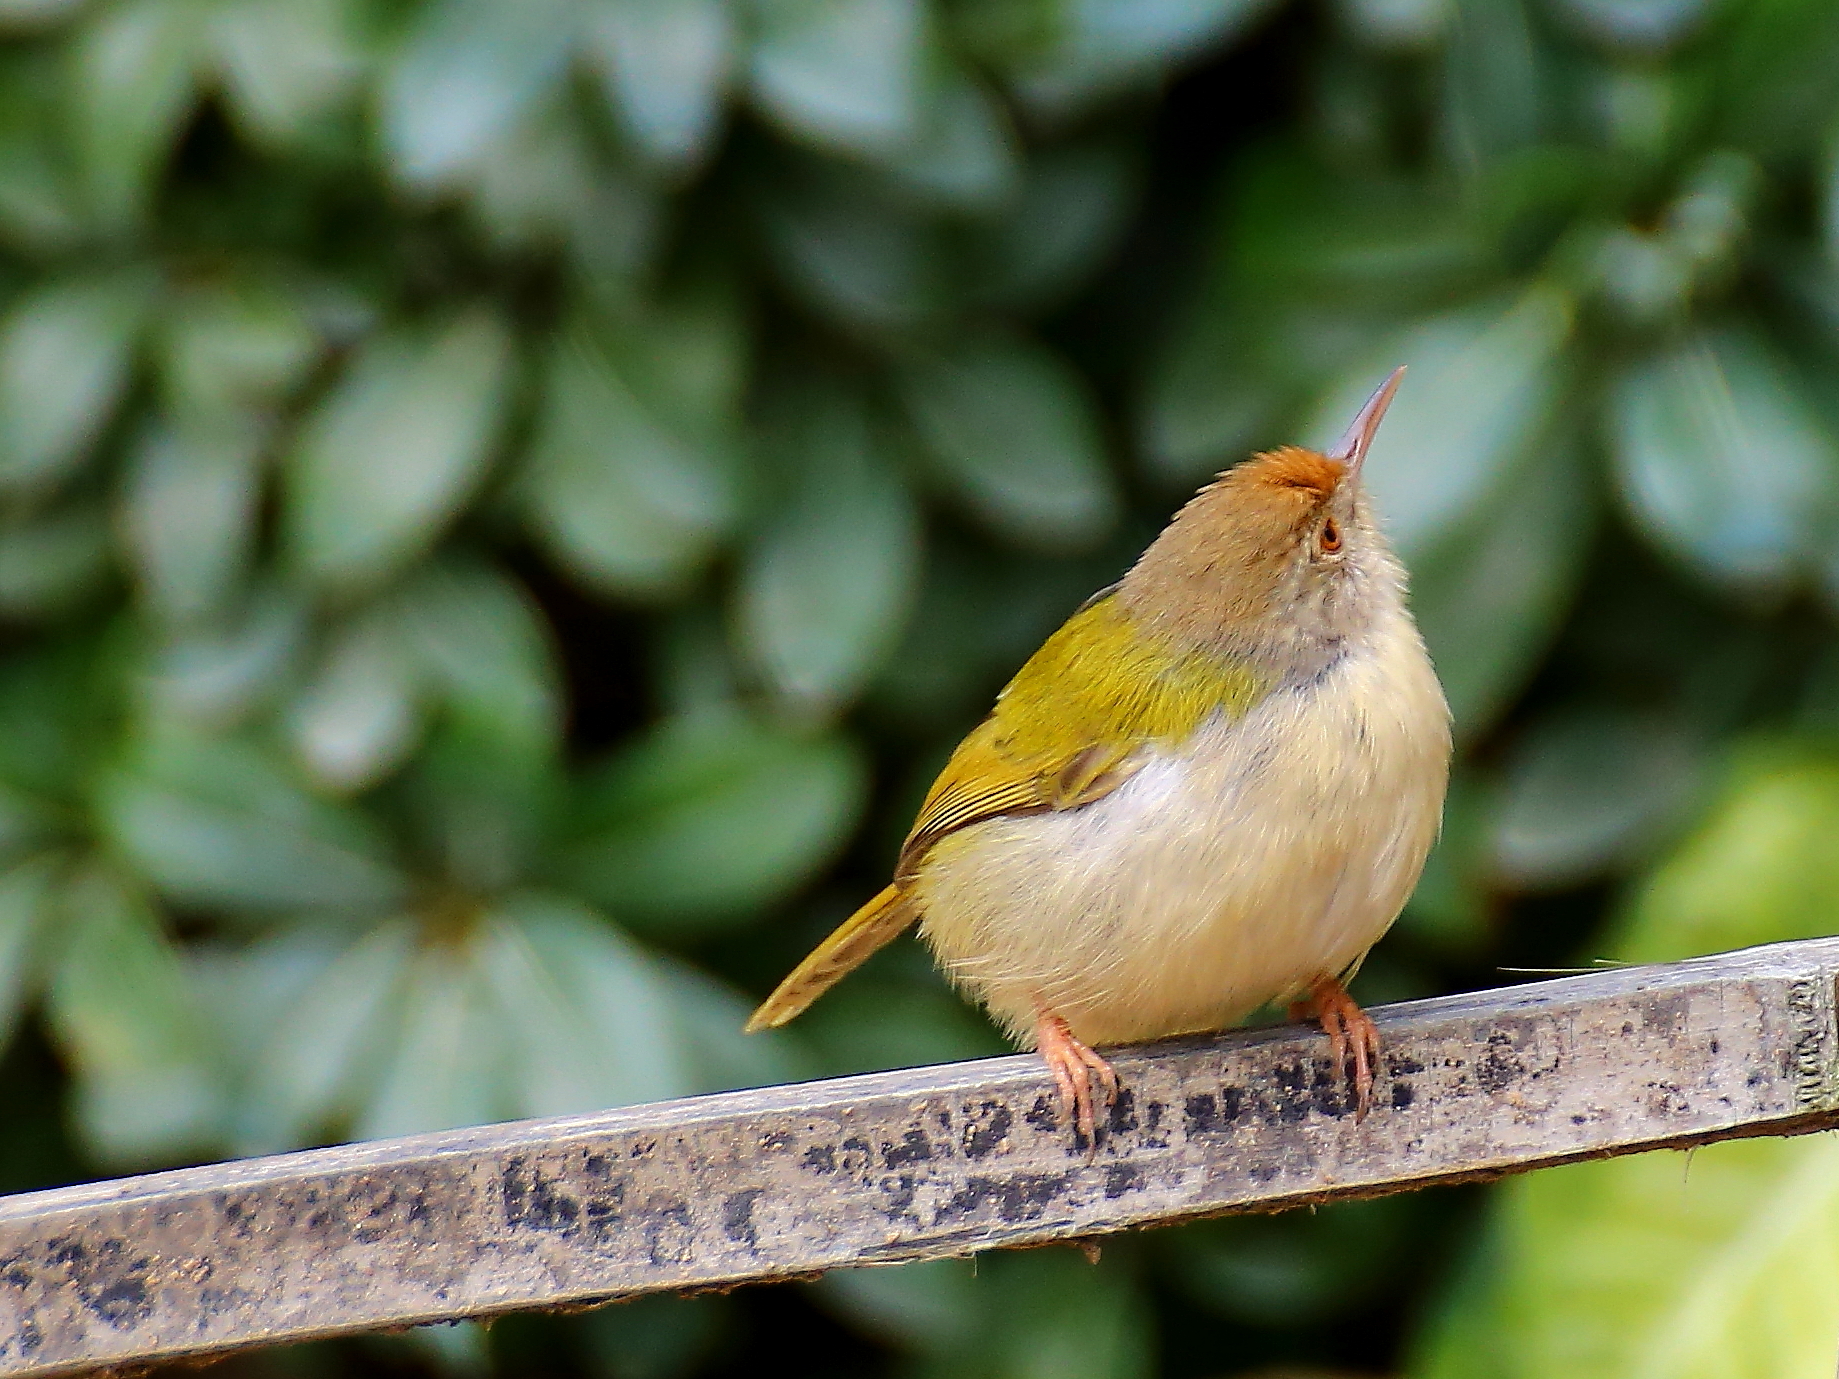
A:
[(851, 945)]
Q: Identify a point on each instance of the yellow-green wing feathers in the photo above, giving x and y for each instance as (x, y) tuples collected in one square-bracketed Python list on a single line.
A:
[(1071, 727), (1073, 724)]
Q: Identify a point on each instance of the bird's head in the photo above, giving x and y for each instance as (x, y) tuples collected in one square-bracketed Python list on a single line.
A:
[(1279, 558)]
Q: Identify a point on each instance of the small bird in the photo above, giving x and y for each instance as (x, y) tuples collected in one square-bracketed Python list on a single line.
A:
[(1212, 789)]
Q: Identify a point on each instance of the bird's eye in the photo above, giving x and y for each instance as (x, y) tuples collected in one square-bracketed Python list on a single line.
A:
[(1331, 537)]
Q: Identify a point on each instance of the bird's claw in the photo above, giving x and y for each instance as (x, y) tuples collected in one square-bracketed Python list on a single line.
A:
[(1074, 1067), (1353, 1038)]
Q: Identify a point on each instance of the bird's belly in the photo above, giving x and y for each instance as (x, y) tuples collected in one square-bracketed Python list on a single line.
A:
[(1266, 853)]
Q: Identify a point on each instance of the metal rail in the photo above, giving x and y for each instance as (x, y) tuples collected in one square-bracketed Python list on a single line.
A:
[(785, 1181)]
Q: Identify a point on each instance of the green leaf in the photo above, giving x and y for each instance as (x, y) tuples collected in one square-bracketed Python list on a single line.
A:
[(1101, 46), (827, 584), (59, 712), (703, 820), (1625, 25), (1586, 789), (65, 354), (658, 1336), (449, 1061), (286, 65), (1495, 86), (1489, 595), (544, 185), (964, 153), (1641, 276), (1711, 1267), (1399, 25), (624, 501), (467, 71), (1453, 909), (246, 343), (319, 1058), (37, 210), (851, 250), (24, 13), (1771, 58), (483, 790), (663, 64), (844, 73), (1723, 460), (711, 1019), (358, 715), (50, 562), (1827, 199), (590, 1020), (1011, 428), (941, 669), (390, 457), (215, 675), (28, 894), (218, 823), (693, 666), (928, 1305), (1050, 1315), (40, 208), (1482, 387), (122, 1010), (132, 85), (189, 514), (1464, 1338), (1710, 217), (1759, 868), (460, 1348), (1300, 1267), (879, 1020), (1073, 204), (479, 806), (486, 651), (690, 352), (28, 824), (1716, 1265)]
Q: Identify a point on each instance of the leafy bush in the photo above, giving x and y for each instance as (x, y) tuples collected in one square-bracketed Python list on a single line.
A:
[(503, 506)]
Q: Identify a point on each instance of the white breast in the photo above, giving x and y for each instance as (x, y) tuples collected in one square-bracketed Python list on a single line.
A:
[(1268, 852)]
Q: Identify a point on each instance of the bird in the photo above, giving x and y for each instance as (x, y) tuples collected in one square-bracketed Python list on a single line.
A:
[(1212, 790)]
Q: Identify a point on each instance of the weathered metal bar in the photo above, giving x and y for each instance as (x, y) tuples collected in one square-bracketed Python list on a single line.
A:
[(744, 1186)]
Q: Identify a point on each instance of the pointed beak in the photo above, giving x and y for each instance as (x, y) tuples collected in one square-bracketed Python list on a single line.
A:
[(1352, 447)]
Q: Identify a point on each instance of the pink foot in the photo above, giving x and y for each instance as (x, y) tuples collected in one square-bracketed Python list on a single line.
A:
[(1353, 1038), (1074, 1066)]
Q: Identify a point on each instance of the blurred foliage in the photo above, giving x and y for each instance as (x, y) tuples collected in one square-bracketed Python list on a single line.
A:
[(1722, 1261), (503, 506)]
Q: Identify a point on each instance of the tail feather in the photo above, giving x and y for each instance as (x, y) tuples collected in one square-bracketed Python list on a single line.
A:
[(851, 945)]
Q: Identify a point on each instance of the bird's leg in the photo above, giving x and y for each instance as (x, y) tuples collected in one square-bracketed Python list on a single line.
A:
[(1073, 1066), (1353, 1038)]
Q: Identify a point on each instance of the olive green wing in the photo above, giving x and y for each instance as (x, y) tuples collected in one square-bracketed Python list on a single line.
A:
[(1075, 722)]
